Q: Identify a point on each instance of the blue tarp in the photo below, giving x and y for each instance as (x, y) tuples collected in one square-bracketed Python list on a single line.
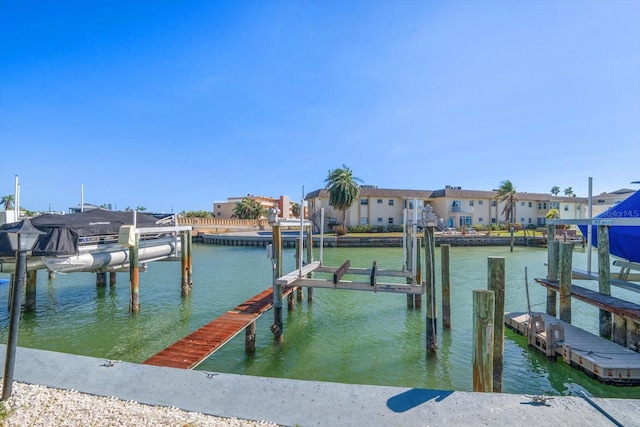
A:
[(624, 241)]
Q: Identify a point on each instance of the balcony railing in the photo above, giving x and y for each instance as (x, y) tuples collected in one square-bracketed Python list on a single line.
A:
[(461, 209)]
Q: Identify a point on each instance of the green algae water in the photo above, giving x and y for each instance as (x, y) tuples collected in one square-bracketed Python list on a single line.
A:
[(342, 336)]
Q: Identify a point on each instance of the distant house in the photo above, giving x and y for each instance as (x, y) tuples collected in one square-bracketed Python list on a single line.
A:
[(225, 209), (604, 201), (80, 208)]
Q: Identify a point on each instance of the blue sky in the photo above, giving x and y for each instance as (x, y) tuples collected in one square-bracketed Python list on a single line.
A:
[(173, 105)]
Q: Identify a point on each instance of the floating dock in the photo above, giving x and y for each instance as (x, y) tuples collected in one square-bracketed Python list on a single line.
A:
[(190, 351), (598, 357)]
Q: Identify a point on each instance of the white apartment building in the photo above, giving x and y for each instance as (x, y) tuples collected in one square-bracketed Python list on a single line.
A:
[(454, 206)]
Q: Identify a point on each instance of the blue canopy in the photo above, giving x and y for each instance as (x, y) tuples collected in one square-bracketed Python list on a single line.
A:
[(624, 241)]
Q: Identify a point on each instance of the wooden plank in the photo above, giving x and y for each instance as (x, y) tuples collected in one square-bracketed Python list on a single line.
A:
[(190, 351), (337, 276), (614, 305), (583, 274)]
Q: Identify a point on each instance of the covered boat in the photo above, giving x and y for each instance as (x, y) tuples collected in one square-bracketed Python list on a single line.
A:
[(624, 241)]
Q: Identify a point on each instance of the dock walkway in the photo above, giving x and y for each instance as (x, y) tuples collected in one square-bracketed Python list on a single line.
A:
[(190, 351), (598, 357)]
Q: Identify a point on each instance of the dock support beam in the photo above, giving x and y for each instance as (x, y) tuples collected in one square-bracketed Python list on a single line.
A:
[(134, 277), (553, 259), (250, 338), (604, 282), (430, 278), (277, 327), (446, 286), (30, 291), (112, 278), (309, 259), (496, 283), (483, 321), (566, 255), (101, 279), (184, 258)]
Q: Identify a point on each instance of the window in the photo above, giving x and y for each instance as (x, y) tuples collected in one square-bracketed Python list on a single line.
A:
[(530, 221), (479, 219), (364, 201), (379, 201), (219, 206), (493, 220), (566, 208), (521, 203), (390, 219), (493, 203), (554, 205), (363, 220), (470, 202), (530, 204), (521, 220), (480, 202), (390, 204), (379, 219)]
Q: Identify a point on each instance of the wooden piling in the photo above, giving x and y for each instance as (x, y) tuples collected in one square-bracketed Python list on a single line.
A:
[(430, 278), (446, 286), (483, 324), (309, 259), (30, 291), (134, 277), (101, 279), (417, 299), (297, 256), (566, 254), (184, 258), (277, 328), (112, 278), (633, 335), (52, 274), (604, 282), (496, 283), (250, 338), (619, 330), (189, 259), (553, 266), (511, 241)]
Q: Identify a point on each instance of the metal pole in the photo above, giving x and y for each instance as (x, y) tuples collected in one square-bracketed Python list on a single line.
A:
[(14, 322), (590, 229), (321, 232)]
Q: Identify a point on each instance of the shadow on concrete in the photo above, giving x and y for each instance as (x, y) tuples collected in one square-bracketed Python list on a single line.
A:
[(414, 397)]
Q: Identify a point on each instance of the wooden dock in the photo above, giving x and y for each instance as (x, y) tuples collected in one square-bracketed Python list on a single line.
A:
[(600, 358), (193, 349)]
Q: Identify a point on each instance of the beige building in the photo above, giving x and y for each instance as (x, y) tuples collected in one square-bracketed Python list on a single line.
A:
[(604, 201), (225, 209), (454, 207)]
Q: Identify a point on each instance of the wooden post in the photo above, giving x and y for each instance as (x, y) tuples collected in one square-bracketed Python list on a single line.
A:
[(52, 274), (633, 335), (619, 335), (496, 283), (417, 298), (604, 281), (309, 259), (30, 291), (250, 338), (101, 279), (553, 260), (134, 276), (430, 278), (446, 286), (277, 328), (483, 323), (566, 254), (189, 259), (297, 251), (112, 278), (184, 258), (511, 230)]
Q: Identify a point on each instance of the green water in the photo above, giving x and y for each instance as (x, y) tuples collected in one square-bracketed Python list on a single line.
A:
[(343, 336)]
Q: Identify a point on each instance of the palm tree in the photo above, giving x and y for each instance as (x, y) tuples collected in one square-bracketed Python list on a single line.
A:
[(248, 209), (553, 214), (568, 191), (555, 190), (343, 189), (7, 201), (507, 194), (295, 210)]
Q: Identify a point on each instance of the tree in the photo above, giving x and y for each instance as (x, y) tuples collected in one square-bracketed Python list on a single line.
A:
[(295, 210), (555, 190), (569, 191), (141, 208), (507, 193), (343, 189), (248, 209), (7, 201), (553, 214), (197, 214)]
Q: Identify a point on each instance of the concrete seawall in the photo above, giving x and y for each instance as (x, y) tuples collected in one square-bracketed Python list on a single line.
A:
[(288, 240)]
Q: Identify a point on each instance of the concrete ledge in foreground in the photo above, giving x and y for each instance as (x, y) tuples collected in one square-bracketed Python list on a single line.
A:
[(308, 403)]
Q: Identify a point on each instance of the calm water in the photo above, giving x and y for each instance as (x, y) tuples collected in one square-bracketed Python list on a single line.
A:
[(343, 336)]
